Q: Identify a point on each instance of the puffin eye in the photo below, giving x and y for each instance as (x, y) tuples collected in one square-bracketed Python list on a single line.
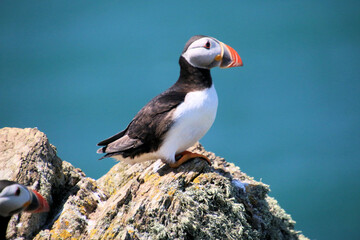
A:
[(207, 45), (17, 192)]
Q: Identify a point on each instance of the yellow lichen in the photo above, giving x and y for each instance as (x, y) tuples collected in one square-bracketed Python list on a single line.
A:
[(149, 177), (64, 234), (154, 192), (171, 191), (158, 197), (93, 232), (109, 233), (198, 179), (82, 210), (202, 177)]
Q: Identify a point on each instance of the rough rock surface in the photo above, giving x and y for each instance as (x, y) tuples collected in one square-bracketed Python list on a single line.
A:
[(141, 201)]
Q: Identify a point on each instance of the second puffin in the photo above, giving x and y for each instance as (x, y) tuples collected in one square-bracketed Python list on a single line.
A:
[(179, 117)]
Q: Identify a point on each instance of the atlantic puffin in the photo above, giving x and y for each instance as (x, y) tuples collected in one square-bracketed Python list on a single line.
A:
[(14, 198), (176, 119)]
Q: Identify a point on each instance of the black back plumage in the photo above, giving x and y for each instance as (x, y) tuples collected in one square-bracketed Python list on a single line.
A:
[(5, 183), (147, 129), (4, 222)]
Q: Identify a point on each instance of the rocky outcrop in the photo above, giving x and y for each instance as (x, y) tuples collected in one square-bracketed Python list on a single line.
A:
[(26, 156), (141, 201)]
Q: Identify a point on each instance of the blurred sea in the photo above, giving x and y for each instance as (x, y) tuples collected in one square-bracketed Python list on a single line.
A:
[(80, 70)]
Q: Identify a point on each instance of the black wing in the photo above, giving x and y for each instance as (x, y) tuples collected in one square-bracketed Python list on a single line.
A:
[(145, 131)]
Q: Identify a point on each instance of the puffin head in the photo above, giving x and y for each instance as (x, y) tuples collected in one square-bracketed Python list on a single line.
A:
[(16, 198), (207, 52)]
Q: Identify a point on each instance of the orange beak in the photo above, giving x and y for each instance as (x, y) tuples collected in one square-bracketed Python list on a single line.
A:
[(38, 203), (229, 57)]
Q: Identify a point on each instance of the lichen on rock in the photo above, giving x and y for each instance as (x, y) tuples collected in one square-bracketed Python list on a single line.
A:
[(141, 201)]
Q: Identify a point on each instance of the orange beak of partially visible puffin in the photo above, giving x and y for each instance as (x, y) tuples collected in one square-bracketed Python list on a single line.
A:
[(37, 203), (228, 57)]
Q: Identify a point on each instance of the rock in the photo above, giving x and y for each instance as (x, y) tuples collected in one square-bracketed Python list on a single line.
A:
[(141, 201), (27, 157)]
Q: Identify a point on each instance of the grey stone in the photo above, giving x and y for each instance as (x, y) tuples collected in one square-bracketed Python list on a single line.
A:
[(141, 201)]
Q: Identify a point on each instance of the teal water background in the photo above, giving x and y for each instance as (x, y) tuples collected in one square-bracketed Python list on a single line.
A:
[(80, 70)]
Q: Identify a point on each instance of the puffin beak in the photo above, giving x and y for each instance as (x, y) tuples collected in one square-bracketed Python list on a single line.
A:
[(229, 57), (37, 203)]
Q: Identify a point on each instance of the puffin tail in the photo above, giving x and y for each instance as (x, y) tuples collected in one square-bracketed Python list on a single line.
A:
[(101, 150)]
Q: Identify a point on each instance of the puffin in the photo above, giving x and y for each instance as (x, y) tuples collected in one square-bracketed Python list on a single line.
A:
[(176, 119), (14, 198)]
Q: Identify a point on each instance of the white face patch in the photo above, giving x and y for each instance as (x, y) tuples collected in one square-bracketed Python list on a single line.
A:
[(13, 198), (202, 53)]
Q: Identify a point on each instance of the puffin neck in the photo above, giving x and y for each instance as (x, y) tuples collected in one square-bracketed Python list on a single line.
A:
[(193, 77)]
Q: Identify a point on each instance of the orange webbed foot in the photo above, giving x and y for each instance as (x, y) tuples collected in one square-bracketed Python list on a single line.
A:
[(186, 156)]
